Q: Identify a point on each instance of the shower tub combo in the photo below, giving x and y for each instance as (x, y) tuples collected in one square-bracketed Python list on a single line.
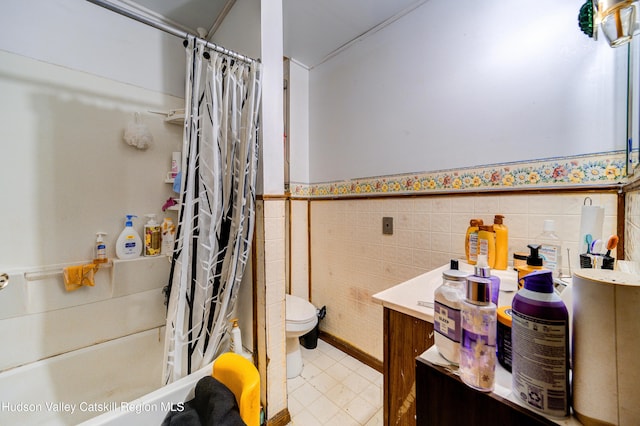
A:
[(94, 355)]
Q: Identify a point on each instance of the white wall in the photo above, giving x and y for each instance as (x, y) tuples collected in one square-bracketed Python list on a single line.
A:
[(244, 32), (452, 85), (65, 105), (82, 36), (240, 30), (299, 123), (272, 120), (67, 171)]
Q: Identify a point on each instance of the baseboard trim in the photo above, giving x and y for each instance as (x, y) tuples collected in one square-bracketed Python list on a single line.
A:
[(351, 350), (283, 418)]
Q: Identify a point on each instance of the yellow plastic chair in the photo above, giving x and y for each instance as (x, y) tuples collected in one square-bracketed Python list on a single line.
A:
[(242, 378)]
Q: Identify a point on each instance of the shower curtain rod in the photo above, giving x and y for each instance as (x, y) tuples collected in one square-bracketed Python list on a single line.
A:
[(168, 29)]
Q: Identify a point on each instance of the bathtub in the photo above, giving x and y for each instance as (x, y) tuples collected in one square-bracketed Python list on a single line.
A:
[(150, 409), (76, 386), (94, 355)]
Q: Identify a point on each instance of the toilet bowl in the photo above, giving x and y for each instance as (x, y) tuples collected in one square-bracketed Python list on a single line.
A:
[(301, 318)]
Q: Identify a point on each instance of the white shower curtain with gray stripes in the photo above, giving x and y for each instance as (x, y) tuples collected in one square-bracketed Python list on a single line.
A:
[(217, 208)]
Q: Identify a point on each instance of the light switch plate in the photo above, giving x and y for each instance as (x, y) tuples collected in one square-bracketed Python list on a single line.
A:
[(387, 225)]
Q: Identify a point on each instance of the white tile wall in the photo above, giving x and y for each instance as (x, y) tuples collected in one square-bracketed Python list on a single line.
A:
[(270, 278), (299, 254), (351, 259)]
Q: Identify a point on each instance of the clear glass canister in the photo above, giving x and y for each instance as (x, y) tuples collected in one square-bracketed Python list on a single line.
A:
[(446, 312)]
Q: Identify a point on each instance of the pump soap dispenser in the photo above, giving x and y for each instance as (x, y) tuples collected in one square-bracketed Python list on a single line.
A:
[(534, 263), (101, 248), (129, 243), (152, 236)]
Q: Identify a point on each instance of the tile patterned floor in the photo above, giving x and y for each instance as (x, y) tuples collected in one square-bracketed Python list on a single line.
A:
[(334, 389)]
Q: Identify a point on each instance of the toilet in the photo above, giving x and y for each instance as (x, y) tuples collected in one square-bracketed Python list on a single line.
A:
[(301, 318)]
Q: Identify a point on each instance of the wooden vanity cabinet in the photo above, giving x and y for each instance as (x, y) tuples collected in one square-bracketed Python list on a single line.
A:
[(444, 400), (405, 338)]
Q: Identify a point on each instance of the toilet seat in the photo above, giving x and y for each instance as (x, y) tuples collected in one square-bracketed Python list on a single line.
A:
[(298, 310)]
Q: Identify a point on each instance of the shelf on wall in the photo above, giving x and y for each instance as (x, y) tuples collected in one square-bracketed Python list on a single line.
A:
[(176, 118)]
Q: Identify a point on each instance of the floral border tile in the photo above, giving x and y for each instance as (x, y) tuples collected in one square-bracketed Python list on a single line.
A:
[(566, 172)]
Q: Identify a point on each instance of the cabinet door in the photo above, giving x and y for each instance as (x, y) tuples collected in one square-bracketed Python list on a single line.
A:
[(405, 337), (441, 394)]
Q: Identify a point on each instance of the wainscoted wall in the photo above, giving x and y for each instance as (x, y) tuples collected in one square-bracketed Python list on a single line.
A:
[(351, 259), (269, 279), (299, 248)]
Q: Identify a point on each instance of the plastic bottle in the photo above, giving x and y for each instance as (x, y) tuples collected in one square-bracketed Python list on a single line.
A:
[(550, 248), (446, 312), (236, 337), (471, 241), (482, 270), (101, 248), (168, 230), (175, 163), (540, 352), (503, 337), (478, 346), (152, 236), (534, 263), (129, 243), (487, 243), (502, 243)]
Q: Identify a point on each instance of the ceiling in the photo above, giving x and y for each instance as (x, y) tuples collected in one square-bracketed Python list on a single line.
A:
[(314, 30)]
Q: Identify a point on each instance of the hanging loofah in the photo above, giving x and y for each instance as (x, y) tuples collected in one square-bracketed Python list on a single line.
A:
[(585, 19), (137, 134)]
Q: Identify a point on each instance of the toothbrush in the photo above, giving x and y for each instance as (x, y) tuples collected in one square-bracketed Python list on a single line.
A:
[(612, 243), (589, 239)]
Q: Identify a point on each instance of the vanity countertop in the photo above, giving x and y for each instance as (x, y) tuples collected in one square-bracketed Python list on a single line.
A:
[(405, 296)]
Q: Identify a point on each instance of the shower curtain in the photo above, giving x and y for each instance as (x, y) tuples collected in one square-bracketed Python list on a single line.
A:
[(215, 227)]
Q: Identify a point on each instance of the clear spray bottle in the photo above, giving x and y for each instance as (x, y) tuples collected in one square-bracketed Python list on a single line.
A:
[(478, 346)]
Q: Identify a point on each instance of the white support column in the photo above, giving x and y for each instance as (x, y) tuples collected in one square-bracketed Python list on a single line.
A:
[(270, 229)]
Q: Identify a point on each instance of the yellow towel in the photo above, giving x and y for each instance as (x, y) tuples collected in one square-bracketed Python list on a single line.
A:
[(78, 276)]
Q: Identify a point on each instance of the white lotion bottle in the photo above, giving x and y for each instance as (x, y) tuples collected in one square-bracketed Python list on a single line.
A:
[(129, 243), (236, 337), (168, 236)]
